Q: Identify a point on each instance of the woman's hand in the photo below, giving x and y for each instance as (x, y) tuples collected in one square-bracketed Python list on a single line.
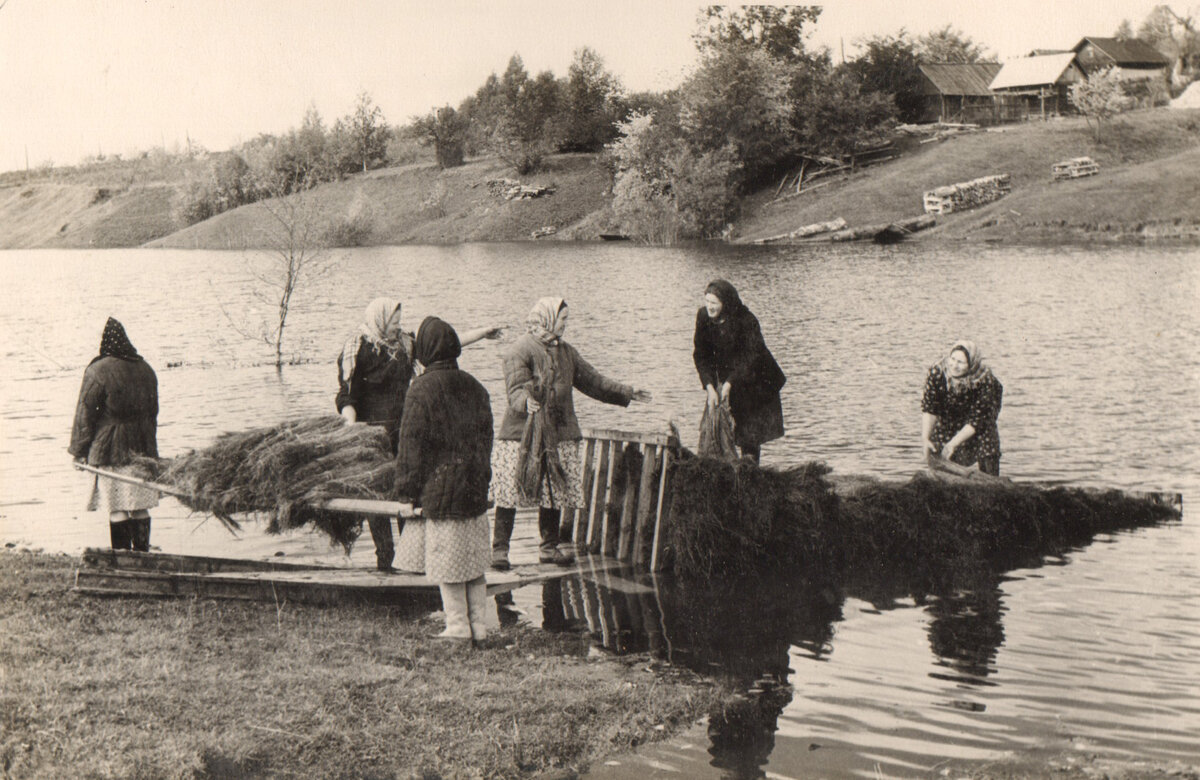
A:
[(349, 415), (494, 333), (928, 447), (725, 387), (713, 399), (531, 405), (642, 396), (948, 450)]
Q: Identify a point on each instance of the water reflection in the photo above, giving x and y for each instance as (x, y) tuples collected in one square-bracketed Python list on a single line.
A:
[(965, 634), (757, 636)]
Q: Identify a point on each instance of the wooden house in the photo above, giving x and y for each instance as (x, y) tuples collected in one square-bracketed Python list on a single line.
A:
[(959, 92), (1036, 86), (1145, 70)]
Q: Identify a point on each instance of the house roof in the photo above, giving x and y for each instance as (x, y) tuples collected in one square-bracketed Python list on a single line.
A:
[(1032, 71), (961, 78), (1132, 51)]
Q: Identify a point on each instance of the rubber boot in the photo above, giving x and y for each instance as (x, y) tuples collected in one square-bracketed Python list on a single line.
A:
[(140, 533), (120, 534), (477, 608), (454, 604), (550, 551), (385, 547), (501, 536)]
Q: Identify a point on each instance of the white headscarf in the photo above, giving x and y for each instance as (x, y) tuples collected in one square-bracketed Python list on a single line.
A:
[(374, 329), (546, 321)]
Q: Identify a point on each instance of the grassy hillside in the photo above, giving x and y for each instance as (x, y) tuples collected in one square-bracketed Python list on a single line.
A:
[(423, 204), (1148, 186), (1148, 175)]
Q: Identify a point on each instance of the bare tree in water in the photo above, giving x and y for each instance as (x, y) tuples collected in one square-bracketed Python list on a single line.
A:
[(297, 257), (295, 254)]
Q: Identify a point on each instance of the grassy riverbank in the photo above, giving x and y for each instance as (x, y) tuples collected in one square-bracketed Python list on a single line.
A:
[(1147, 188), (111, 687)]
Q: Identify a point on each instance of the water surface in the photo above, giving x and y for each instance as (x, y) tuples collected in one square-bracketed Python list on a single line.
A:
[(1095, 348)]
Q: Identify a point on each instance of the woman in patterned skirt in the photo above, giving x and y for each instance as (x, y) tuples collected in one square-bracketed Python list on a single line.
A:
[(116, 419), (959, 409), (443, 468), (540, 371)]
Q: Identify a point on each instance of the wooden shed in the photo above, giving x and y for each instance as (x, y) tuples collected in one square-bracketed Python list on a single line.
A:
[(1036, 86), (959, 91)]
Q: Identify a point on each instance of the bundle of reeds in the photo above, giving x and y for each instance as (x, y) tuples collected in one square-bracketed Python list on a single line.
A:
[(286, 472), (738, 519)]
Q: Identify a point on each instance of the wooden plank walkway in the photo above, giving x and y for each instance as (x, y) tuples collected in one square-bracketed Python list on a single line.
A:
[(112, 572)]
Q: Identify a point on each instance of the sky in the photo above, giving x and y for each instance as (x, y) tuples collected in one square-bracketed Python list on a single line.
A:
[(85, 77)]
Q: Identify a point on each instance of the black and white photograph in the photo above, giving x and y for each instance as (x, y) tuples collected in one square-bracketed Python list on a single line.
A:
[(611, 390)]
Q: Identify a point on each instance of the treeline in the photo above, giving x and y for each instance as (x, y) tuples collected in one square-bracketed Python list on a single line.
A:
[(679, 160), (271, 166)]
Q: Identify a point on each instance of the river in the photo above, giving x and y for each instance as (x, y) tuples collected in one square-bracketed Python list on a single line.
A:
[(1096, 348)]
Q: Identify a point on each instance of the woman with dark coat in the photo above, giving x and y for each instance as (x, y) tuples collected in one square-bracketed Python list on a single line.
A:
[(735, 366), (540, 372), (444, 467), (116, 420), (959, 408), (375, 368)]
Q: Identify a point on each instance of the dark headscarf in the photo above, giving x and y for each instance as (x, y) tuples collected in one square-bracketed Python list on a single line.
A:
[(437, 343), (114, 343), (727, 294)]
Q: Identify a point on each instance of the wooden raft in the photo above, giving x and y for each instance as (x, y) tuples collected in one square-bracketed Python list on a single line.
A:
[(626, 496), (125, 572)]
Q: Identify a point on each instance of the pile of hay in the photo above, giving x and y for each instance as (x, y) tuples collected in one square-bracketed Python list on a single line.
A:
[(286, 472), (738, 519)]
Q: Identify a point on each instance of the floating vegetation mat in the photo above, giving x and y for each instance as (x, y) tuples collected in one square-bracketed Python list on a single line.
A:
[(738, 519), (287, 472)]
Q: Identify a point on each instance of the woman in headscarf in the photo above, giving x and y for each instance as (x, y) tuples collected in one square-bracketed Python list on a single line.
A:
[(116, 420), (540, 372), (375, 368), (735, 367), (959, 409), (444, 468)]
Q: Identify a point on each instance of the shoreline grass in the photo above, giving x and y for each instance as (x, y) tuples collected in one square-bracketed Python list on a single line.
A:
[(194, 688)]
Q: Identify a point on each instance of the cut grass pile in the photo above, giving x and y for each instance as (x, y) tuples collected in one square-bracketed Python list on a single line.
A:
[(194, 688), (286, 472), (739, 520)]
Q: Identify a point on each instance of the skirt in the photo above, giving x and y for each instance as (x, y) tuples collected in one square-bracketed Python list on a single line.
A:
[(112, 495), (559, 495), (445, 550)]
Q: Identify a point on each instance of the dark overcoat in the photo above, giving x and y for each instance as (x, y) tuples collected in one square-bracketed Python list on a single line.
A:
[(116, 417), (445, 451), (731, 349)]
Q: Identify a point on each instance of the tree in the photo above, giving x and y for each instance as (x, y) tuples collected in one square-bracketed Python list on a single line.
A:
[(739, 98), (367, 131), (1176, 36), (663, 189), (295, 257), (524, 130), (1124, 31), (446, 130), (841, 118), (589, 103), (1099, 97), (888, 64), (950, 45), (777, 30)]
